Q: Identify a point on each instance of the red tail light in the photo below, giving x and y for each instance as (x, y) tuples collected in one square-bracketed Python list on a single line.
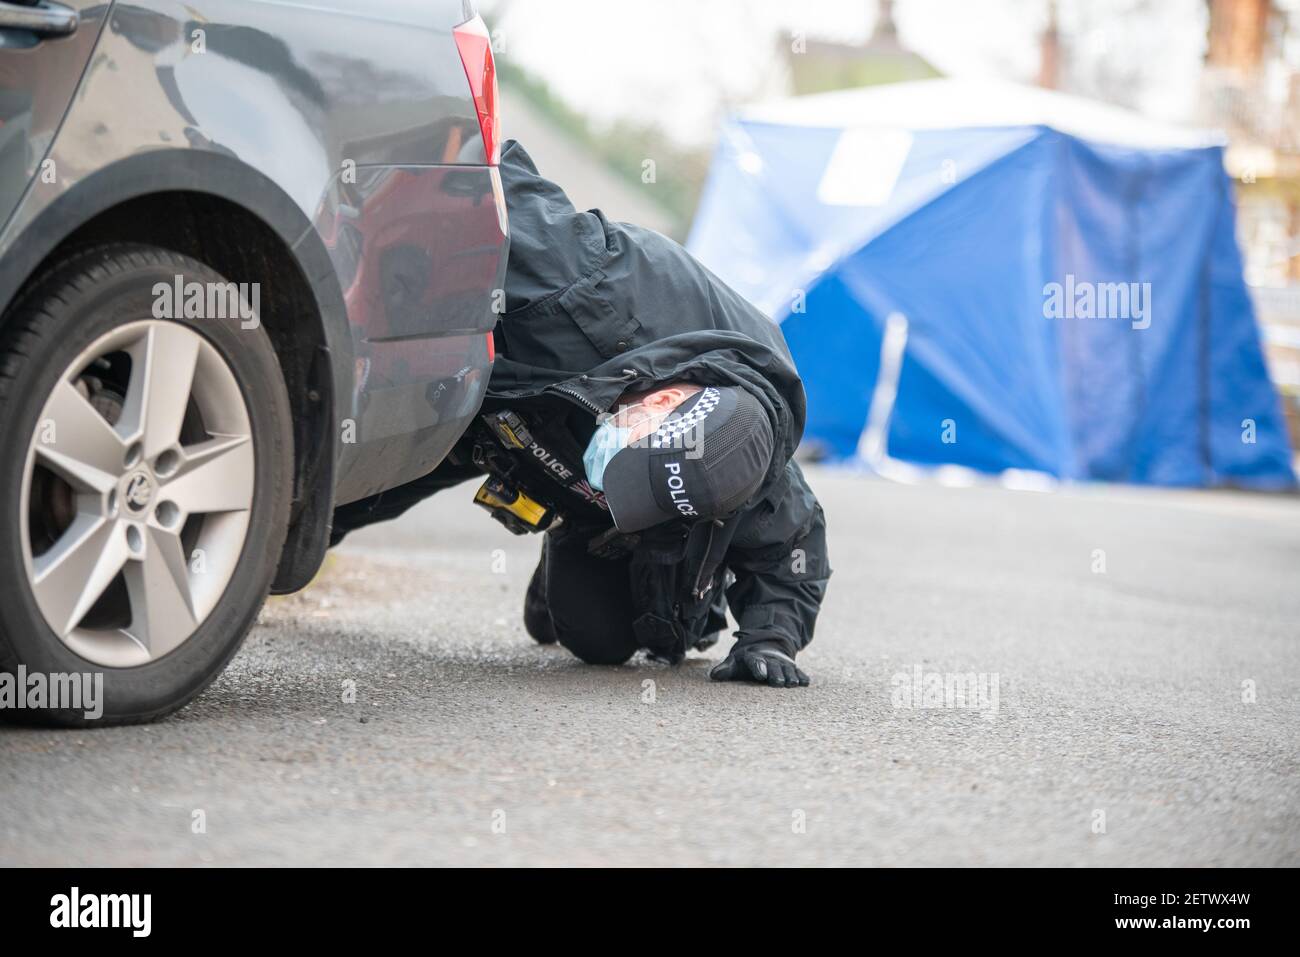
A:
[(475, 48)]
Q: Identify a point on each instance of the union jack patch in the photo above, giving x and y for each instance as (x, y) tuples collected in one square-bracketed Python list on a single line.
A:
[(585, 489)]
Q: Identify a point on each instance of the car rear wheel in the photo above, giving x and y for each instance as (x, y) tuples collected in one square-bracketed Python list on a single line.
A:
[(148, 499)]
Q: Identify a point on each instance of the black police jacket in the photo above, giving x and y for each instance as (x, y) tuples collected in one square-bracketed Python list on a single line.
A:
[(595, 308)]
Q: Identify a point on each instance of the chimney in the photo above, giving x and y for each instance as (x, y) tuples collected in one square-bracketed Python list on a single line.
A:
[(886, 31), (1238, 34), (1049, 51)]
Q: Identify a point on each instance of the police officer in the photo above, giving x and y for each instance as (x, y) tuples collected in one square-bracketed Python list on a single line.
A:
[(646, 415)]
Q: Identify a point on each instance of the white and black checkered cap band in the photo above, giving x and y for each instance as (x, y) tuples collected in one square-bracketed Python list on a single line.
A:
[(709, 460), (671, 430)]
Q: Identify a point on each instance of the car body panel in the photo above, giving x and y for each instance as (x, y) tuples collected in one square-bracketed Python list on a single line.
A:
[(348, 128), (410, 243), (38, 77)]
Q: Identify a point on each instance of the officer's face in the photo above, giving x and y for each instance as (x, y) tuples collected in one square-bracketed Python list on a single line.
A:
[(648, 411)]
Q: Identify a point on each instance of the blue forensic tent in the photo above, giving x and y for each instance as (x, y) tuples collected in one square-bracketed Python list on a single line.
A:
[(1067, 275)]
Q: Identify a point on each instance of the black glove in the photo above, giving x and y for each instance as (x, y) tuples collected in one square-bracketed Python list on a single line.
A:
[(762, 661)]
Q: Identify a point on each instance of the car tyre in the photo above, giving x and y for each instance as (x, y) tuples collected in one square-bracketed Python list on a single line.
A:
[(162, 628)]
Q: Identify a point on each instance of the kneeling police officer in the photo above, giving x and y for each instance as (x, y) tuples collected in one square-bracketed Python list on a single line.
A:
[(643, 416)]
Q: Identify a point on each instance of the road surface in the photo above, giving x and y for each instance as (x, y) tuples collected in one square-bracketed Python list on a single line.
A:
[(1134, 668)]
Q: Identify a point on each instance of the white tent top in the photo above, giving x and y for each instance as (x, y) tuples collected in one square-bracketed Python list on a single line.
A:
[(948, 103)]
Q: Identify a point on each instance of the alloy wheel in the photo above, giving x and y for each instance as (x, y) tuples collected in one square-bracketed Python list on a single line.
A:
[(136, 493)]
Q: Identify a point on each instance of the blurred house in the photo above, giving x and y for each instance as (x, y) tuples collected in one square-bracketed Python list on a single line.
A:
[(1251, 91), (817, 66)]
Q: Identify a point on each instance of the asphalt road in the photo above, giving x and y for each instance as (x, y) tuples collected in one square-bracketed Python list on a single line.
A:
[(1125, 730)]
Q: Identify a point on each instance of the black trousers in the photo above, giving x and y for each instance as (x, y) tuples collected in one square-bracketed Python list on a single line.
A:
[(584, 603)]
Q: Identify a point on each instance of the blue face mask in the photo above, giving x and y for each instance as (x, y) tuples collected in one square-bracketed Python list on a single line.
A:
[(608, 441)]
